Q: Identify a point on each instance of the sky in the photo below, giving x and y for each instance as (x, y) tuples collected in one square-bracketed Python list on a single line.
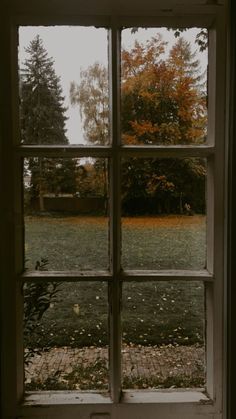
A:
[(74, 48)]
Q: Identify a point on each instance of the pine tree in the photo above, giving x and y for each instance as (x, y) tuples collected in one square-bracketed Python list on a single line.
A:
[(42, 115)]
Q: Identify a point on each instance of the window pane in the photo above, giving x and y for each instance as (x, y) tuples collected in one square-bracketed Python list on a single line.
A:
[(163, 335), (66, 213), (66, 336), (164, 221), (163, 86), (63, 85)]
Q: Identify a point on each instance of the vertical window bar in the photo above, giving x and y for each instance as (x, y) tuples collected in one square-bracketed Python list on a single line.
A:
[(210, 203), (209, 292), (18, 215), (115, 238), (219, 210)]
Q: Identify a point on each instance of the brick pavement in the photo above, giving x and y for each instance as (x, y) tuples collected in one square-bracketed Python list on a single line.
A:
[(137, 361)]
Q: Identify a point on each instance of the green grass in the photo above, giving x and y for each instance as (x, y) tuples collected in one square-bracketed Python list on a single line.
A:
[(69, 243), (72, 243), (171, 242), (152, 313)]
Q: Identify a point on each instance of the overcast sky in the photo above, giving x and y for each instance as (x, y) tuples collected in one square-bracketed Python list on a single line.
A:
[(73, 48)]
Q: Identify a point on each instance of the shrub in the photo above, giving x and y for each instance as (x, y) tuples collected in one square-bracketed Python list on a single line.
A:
[(37, 299)]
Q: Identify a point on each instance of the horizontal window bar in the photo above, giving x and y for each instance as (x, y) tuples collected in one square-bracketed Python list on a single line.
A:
[(167, 151), (184, 18), (65, 276), (107, 151), (164, 275), (64, 19), (106, 15), (62, 151), (134, 275)]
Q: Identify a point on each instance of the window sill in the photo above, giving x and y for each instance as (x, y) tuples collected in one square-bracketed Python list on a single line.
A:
[(166, 396), (128, 397)]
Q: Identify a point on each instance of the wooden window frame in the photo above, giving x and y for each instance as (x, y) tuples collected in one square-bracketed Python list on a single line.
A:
[(184, 404)]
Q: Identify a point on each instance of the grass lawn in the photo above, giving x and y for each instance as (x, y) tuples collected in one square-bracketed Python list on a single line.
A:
[(171, 242), (153, 313)]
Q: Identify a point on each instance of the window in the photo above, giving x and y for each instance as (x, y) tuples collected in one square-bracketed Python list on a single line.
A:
[(135, 285)]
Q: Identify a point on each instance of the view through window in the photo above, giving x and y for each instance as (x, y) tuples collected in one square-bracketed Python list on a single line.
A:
[(69, 208)]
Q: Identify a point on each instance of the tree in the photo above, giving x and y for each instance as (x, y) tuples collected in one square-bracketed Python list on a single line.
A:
[(42, 115), (90, 179), (163, 101), (37, 300), (201, 38), (92, 96), (162, 185)]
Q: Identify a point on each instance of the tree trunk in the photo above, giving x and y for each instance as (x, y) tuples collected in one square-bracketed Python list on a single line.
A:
[(41, 199)]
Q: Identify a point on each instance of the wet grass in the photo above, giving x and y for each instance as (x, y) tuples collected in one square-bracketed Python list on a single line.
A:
[(152, 313), (82, 243)]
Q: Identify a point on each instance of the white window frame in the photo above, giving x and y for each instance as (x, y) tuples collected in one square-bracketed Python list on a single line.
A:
[(184, 404)]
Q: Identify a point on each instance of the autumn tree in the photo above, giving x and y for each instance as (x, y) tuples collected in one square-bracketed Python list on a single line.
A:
[(163, 101), (201, 39), (90, 180), (162, 185), (92, 97), (42, 117)]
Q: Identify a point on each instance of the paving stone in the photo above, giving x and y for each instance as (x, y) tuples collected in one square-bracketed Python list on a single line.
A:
[(137, 361)]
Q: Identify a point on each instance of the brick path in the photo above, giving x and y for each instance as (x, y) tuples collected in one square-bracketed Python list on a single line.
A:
[(138, 361)]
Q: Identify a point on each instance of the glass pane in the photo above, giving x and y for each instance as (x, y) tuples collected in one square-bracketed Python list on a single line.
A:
[(63, 85), (163, 206), (66, 336), (164, 86), (163, 335), (66, 222)]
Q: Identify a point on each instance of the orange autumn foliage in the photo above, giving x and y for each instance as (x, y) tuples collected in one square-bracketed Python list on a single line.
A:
[(163, 100)]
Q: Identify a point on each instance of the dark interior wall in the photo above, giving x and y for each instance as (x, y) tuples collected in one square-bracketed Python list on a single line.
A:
[(231, 250), (231, 291), (5, 248)]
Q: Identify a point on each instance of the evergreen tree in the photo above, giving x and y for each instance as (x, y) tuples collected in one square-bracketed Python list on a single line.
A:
[(42, 114), (42, 111)]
